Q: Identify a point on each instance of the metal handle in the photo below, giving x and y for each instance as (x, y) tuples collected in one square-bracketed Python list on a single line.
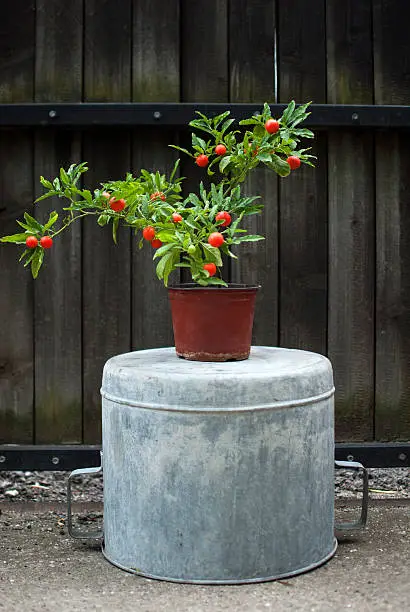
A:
[(354, 465), (89, 535)]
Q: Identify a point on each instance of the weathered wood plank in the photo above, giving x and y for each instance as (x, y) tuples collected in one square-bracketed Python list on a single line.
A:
[(393, 288), (391, 51), (349, 51), (301, 51), (251, 51), (392, 86), (17, 50), (16, 194), (351, 284), (106, 266), (303, 195), (16, 294), (156, 77), (58, 334), (107, 51), (156, 56), (252, 72), (351, 222), (204, 51)]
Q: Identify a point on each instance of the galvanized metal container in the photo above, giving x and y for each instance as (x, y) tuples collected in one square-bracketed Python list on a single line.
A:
[(218, 472)]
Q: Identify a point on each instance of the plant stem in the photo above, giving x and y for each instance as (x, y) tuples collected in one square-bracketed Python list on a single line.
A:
[(71, 221)]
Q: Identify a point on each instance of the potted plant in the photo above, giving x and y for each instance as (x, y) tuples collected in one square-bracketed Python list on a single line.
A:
[(191, 232)]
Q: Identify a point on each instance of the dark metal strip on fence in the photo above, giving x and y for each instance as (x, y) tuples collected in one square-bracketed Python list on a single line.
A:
[(70, 457), (179, 114)]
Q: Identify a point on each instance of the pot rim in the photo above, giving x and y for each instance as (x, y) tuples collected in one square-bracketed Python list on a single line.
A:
[(195, 287)]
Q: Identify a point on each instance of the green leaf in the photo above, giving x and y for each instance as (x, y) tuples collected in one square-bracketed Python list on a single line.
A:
[(165, 236), (190, 222), (216, 281), (103, 220), (25, 226), (198, 142), (279, 165), (16, 238), (288, 112), (170, 266), (219, 118), (24, 253), (164, 249), (266, 113), (44, 196), (212, 253), (226, 125), (36, 261), (193, 198), (174, 171), (199, 125), (29, 258), (63, 177), (299, 120), (87, 196), (162, 264), (225, 161), (304, 133), (259, 131), (249, 122), (202, 192), (248, 238), (46, 183), (32, 223), (51, 220), (264, 157)]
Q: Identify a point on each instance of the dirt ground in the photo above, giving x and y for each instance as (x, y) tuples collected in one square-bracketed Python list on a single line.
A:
[(42, 570)]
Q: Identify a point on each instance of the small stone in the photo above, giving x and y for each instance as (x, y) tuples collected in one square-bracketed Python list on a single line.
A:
[(12, 492)]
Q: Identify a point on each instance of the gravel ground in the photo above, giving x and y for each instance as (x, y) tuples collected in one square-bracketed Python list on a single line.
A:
[(43, 570), (51, 486)]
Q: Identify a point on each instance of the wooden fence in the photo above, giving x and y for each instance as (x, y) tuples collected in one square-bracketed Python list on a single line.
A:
[(335, 267)]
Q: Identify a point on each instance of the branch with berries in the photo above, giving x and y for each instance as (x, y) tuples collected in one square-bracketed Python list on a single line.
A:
[(192, 232)]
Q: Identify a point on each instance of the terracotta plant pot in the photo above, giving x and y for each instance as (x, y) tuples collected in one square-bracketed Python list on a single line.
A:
[(212, 323)]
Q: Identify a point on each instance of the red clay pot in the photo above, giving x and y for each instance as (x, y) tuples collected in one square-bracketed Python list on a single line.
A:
[(212, 323)]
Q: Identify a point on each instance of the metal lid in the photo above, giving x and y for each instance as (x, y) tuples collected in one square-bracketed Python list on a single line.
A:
[(157, 379)]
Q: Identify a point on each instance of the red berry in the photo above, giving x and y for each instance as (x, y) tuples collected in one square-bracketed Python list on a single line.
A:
[(220, 149), (202, 161), (156, 195), (148, 233), (31, 242), (294, 162), (156, 243), (176, 217), (210, 267), (272, 126), (117, 205), (216, 239), (225, 216), (46, 242)]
